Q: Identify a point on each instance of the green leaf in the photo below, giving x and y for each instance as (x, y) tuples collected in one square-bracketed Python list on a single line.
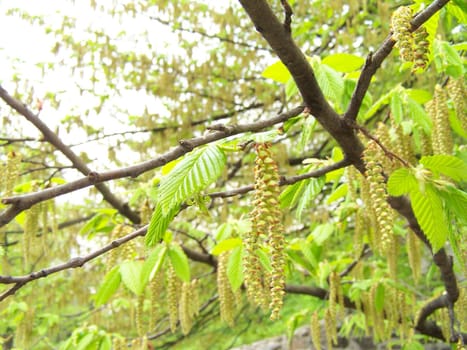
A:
[(447, 59), (179, 262), (428, 209), (382, 101), (322, 232), (291, 89), (343, 62), (417, 113), (307, 251), (235, 268), (277, 72), (401, 182), (88, 342), (311, 189), (396, 108), (450, 166), (225, 245), (458, 9), (108, 287), (455, 202), (158, 225), (289, 197), (309, 124), (418, 95), (379, 298), (154, 262), (330, 81), (131, 272), (192, 174), (106, 343), (340, 192)]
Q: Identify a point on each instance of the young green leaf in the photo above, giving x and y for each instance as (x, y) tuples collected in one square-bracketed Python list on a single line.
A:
[(455, 201), (379, 297), (277, 72), (396, 108), (312, 188), (340, 192), (108, 287), (179, 262), (401, 182), (450, 166), (131, 272), (159, 224), (343, 62), (225, 245), (154, 261), (428, 209), (192, 174), (235, 268)]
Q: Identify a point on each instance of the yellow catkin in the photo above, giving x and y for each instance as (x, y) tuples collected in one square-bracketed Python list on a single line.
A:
[(172, 297), (315, 331), (184, 311), (31, 222), (119, 343), (441, 134), (139, 314), (266, 229), (330, 329), (400, 25), (421, 49), (460, 308), (226, 297), (382, 133), (146, 212), (194, 297), (414, 253), (403, 145), (457, 93), (382, 210), (10, 173), (155, 289)]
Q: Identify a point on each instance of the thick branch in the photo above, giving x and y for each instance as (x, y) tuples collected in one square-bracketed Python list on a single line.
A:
[(77, 162), (373, 61), (284, 46), (20, 203)]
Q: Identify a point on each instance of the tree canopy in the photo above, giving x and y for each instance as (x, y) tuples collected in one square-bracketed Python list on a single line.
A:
[(175, 172)]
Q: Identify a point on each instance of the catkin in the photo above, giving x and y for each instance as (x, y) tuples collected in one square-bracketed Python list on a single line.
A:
[(315, 331), (438, 110), (382, 211), (172, 297), (457, 93), (400, 25), (266, 229), (185, 314), (421, 49), (226, 297)]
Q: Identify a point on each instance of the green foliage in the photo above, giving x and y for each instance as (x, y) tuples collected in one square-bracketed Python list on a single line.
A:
[(179, 261), (235, 268), (132, 276), (194, 173), (159, 224), (197, 68), (108, 287)]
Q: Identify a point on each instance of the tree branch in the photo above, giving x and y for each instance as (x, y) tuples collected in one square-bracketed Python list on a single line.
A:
[(286, 49), (23, 202), (374, 60), (77, 162)]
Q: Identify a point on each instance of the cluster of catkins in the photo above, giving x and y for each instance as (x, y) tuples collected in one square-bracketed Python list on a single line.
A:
[(413, 47), (266, 234)]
